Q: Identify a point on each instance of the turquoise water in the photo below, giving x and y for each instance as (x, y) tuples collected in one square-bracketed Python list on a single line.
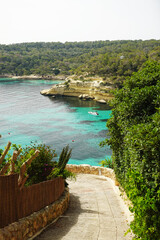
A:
[(26, 116)]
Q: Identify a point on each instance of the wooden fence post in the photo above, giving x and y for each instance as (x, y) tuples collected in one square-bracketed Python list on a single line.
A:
[(8, 199)]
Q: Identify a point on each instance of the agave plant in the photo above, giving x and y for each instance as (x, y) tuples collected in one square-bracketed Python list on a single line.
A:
[(59, 170)]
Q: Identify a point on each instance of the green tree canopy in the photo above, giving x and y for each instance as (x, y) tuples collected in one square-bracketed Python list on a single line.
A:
[(135, 140), (113, 60)]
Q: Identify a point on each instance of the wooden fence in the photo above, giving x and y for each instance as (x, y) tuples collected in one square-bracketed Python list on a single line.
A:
[(16, 203)]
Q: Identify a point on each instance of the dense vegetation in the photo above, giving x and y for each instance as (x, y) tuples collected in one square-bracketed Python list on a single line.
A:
[(41, 168), (135, 140), (135, 124), (113, 60)]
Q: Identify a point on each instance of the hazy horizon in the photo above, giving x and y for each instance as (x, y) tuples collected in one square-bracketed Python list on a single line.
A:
[(24, 21), (79, 41)]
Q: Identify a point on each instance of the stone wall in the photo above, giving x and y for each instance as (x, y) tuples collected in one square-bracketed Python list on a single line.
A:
[(88, 169), (107, 172), (27, 227)]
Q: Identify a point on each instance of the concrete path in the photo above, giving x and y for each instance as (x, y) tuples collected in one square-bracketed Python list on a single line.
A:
[(96, 212)]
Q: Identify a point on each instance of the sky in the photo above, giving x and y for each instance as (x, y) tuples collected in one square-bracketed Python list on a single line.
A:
[(78, 20)]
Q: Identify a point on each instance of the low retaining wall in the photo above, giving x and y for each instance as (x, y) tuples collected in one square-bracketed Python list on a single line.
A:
[(107, 172), (27, 227), (88, 169)]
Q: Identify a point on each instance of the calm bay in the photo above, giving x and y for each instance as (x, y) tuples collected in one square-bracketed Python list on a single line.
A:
[(26, 116)]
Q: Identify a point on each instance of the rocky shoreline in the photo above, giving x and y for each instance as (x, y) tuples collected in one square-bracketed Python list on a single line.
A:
[(88, 89), (35, 77)]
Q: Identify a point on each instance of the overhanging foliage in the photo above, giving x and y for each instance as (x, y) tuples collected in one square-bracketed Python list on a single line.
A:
[(135, 140)]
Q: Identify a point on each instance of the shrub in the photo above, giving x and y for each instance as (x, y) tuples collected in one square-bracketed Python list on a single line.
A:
[(42, 165), (107, 163), (134, 130), (59, 170)]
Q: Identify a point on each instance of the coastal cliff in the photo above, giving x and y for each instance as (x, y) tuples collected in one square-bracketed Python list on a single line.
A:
[(91, 88)]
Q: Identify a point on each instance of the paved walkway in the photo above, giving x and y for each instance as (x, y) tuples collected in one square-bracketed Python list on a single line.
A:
[(96, 212)]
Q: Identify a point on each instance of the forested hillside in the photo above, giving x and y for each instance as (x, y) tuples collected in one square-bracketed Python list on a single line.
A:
[(109, 59)]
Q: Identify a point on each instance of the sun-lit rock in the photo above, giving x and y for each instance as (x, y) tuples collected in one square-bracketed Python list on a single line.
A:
[(86, 90)]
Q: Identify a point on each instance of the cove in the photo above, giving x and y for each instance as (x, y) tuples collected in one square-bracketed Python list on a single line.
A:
[(26, 116)]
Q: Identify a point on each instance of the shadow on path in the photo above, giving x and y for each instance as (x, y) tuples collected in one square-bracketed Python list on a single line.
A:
[(62, 226), (96, 211)]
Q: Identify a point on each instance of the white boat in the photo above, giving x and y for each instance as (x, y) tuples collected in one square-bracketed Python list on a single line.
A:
[(93, 113)]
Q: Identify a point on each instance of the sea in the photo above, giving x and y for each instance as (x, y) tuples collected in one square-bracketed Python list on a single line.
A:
[(28, 117)]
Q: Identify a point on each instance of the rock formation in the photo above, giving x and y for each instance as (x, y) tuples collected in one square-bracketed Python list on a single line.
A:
[(86, 90)]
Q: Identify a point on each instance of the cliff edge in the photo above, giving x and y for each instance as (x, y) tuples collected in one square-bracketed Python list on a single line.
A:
[(93, 88)]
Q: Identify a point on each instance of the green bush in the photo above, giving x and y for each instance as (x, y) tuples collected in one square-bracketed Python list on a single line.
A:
[(135, 140), (41, 166), (107, 163)]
